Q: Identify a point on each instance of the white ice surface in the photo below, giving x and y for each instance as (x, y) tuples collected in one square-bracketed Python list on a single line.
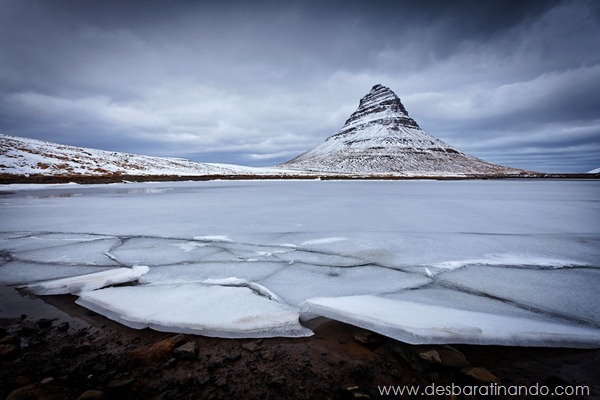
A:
[(213, 238), (24, 241), (150, 251), (23, 272), (418, 323), (570, 292), (436, 295), (512, 260), (523, 250), (254, 271), (209, 310), (299, 282), (91, 252), (81, 283)]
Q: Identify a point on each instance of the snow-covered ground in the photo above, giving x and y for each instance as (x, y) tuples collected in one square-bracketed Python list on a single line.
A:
[(24, 156), (501, 262)]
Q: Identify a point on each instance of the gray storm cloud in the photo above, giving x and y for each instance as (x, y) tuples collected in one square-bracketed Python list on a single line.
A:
[(513, 82)]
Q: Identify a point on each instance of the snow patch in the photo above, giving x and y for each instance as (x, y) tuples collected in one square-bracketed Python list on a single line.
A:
[(511, 260), (213, 238), (189, 246), (323, 241)]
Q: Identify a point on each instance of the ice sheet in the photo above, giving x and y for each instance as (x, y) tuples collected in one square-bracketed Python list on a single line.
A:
[(92, 252), (21, 272), (520, 250), (209, 310), (159, 251), (27, 241), (440, 296), (254, 271), (82, 283), (318, 258), (418, 323), (570, 293), (299, 282)]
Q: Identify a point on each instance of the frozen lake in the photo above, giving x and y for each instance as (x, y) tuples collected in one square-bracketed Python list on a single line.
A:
[(502, 262)]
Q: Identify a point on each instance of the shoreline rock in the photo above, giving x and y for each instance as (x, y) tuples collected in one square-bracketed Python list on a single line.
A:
[(118, 362)]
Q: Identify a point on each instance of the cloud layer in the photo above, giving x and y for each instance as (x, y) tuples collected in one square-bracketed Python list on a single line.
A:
[(256, 83)]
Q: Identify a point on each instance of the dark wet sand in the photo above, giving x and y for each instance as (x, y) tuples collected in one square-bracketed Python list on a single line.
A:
[(59, 350)]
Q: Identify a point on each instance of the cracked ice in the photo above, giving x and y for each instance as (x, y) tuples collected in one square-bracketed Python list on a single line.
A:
[(492, 262)]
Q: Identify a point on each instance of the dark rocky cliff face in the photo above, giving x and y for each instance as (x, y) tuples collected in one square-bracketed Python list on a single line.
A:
[(378, 100)]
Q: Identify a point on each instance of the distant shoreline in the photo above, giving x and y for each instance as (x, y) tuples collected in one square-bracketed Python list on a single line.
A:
[(118, 178)]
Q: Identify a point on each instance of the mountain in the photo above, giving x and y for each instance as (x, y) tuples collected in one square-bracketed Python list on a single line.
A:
[(594, 171), (22, 156), (380, 137)]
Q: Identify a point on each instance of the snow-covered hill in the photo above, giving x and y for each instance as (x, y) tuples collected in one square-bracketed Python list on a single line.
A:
[(22, 156), (594, 171), (380, 137)]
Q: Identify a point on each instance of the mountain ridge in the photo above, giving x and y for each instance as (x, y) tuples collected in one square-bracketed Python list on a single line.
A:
[(25, 156), (25, 160)]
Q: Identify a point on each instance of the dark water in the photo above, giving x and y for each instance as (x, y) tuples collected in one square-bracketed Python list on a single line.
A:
[(15, 304)]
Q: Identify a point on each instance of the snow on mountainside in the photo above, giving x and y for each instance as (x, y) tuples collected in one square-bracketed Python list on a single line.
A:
[(594, 171), (380, 137), (22, 156)]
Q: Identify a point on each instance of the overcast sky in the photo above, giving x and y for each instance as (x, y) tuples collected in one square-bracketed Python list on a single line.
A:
[(258, 82)]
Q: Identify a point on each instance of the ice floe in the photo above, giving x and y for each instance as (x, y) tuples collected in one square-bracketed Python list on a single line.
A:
[(418, 323), (204, 309)]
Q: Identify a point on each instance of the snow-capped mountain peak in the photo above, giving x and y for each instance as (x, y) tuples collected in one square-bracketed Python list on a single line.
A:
[(380, 137)]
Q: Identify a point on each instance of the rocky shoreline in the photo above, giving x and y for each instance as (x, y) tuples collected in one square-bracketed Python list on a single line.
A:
[(6, 179), (90, 357)]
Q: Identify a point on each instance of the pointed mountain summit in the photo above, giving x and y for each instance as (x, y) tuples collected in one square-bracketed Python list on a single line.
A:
[(380, 137)]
